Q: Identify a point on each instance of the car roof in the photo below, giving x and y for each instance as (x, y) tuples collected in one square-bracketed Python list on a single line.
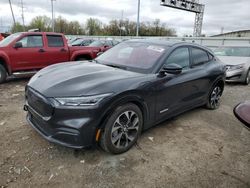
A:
[(40, 33), (160, 42)]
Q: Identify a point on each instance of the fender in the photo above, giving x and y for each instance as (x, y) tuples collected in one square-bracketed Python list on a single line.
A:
[(81, 53), (123, 99), (6, 60)]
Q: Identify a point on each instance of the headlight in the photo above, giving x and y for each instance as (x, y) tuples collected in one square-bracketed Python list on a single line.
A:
[(234, 67), (81, 101)]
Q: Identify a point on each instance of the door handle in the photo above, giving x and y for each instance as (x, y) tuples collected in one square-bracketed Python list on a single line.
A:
[(41, 50), (63, 50)]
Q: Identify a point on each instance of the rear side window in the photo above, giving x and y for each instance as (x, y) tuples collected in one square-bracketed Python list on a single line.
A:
[(55, 41), (199, 56)]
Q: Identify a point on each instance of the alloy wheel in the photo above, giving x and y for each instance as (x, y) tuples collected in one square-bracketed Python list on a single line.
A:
[(125, 129), (215, 97)]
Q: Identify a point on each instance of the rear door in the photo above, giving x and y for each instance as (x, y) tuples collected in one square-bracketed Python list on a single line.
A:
[(31, 54), (201, 65), (56, 49)]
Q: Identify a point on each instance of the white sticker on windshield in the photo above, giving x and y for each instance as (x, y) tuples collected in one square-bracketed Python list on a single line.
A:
[(156, 48)]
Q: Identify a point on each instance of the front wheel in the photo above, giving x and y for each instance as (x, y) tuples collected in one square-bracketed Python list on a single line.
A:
[(214, 98), (247, 81), (3, 74), (122, 129)]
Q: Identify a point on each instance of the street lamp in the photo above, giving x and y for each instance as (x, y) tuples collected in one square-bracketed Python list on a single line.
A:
[(52, 10), (138, 19)]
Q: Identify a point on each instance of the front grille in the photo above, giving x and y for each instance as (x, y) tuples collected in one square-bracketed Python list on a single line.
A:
[(39, 103)]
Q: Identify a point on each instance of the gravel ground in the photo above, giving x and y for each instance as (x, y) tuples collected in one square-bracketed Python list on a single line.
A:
[(200, 148)]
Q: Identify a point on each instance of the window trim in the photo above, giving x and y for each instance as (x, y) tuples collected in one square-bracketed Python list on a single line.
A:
[(54, 36), (202, 63), (29, 36)]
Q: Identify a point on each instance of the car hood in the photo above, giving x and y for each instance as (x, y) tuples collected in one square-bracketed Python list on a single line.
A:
[(77, 79), (233, 60)]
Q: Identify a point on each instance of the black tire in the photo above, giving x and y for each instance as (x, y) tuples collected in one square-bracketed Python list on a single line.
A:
[(3, 74), (213, 101), (247, 80), (122, 129)]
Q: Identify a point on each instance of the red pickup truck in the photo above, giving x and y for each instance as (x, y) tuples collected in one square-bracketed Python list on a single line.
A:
[(25, 53)]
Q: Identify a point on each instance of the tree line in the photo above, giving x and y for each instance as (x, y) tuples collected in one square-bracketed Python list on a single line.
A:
[(94, 26)]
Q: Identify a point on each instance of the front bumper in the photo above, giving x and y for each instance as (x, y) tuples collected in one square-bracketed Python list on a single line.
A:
[(235, 75), (70, 127)]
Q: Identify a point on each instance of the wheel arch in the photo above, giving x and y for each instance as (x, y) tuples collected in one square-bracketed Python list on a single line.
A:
[(219, 81), (122, 100)]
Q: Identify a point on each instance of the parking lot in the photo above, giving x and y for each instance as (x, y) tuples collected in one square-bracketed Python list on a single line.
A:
[(200, 148)]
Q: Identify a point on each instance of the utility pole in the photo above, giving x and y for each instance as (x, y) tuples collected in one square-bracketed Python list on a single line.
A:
[(121, 23), (22, 15), (138, 18), (14, 21), (52, 11)]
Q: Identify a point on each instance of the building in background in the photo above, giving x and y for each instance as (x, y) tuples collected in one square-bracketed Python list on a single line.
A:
[(241, 33)]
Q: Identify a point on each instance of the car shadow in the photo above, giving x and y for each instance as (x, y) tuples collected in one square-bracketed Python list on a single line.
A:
[(16, 80)]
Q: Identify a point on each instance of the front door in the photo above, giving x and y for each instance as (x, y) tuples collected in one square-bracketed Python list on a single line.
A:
[(30, 55), (175, 93)]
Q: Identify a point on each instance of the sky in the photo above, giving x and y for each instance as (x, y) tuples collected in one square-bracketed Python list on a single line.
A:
[(231, 15)]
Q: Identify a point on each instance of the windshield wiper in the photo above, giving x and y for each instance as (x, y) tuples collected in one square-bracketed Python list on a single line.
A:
[(116, 66)]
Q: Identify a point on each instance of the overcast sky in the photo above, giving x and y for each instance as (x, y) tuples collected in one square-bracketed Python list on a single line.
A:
[(230, 14)]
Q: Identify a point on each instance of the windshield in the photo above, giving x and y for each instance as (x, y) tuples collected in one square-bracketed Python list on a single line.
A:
[(9, 39), (77, 42), (232, 51), (135, 56), (97, 44)]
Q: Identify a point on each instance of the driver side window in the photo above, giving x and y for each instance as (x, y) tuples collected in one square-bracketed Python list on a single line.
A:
[(32, 41), (180, 56)]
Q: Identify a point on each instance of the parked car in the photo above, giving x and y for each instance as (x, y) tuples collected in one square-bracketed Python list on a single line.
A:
[(242, 112), (130, 88), (81, 42), (237, 60), (104, 44), (25, 53)]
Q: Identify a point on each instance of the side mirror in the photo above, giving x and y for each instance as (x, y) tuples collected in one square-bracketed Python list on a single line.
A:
[(171, 69), (18, 45), (106, 46)]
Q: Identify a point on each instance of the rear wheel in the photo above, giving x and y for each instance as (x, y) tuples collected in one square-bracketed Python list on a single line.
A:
[(3, 74), (214, 98), (81, 59), (247, 81), (122, 129)]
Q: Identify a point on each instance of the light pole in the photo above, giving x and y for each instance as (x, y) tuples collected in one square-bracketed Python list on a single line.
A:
[(12, 15), (52, 10), (138, 18)]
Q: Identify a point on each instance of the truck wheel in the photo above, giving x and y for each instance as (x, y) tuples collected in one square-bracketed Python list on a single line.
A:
[(81, 59), (3, 74)]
